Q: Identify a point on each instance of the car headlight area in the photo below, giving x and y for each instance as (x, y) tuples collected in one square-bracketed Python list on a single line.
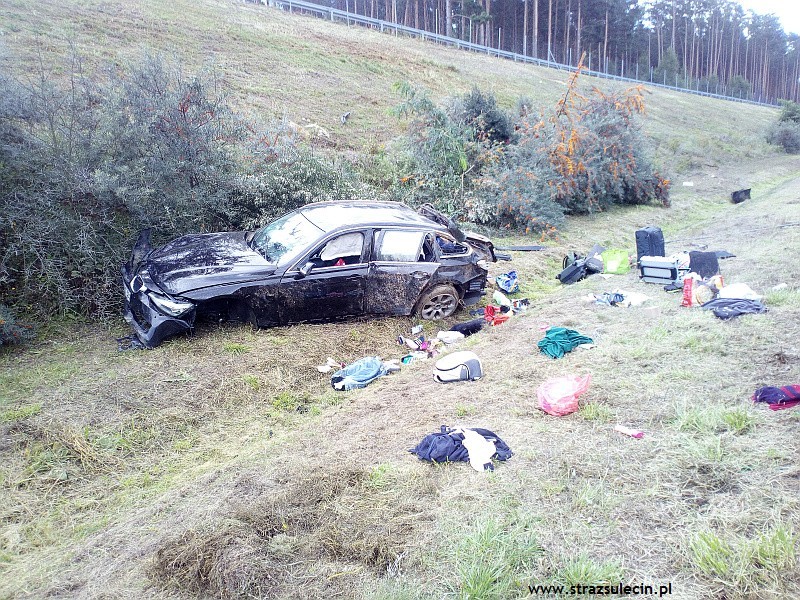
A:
[(173, 308)]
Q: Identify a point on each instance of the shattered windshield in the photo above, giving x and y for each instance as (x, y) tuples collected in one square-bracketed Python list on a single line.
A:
[(284, 237)]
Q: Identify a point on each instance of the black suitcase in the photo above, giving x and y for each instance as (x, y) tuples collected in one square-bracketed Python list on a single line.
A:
[(573, 272), (649, 242)]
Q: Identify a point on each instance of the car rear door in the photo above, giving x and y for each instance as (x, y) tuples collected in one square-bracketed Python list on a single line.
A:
[(403, 262), (336, 284)]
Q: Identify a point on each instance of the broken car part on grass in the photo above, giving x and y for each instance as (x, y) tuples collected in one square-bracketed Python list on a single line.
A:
[(325, 261)]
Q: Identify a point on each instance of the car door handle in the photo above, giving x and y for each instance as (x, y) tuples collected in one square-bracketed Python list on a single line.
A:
[(419, 275)]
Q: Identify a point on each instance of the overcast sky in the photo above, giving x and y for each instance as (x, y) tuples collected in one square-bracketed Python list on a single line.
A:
[(788, 11)]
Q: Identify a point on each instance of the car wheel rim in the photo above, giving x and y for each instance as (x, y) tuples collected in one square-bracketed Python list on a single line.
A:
[(438, 307)]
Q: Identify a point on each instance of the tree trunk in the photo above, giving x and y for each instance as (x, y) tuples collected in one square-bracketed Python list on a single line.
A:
[(448, 9), (578, 34), (605, 40), (549, 27), (566, 26), (525, 28), (536, 28)]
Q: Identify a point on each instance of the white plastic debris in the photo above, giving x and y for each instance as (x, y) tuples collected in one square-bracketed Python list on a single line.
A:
[(450, 337)]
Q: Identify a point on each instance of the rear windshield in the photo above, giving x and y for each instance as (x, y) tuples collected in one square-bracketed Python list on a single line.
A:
[(284, 237)]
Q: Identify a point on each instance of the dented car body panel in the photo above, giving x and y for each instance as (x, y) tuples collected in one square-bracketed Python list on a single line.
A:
[(322, 262)]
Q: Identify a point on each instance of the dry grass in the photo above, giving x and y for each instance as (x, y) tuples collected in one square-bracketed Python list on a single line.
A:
[(224, 465), (311, 71), (312, 536)]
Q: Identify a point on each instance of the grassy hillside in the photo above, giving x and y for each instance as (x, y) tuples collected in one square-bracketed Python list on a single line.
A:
[(224, 465), (312, 71)]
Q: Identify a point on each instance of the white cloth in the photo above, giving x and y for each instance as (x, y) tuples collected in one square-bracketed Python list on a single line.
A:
[(480, 450), (739, 290)]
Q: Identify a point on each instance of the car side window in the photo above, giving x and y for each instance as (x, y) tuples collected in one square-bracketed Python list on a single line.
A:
[(402, 246), (345, 249)]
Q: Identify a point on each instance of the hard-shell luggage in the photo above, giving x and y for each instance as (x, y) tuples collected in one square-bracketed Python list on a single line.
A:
[(573, 272), (658, 269), (649, 242)]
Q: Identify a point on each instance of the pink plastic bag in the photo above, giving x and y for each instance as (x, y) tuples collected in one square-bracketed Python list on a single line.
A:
[(559, 395)]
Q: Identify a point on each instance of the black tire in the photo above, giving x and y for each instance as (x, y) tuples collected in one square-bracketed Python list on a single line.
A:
[(439, 302)]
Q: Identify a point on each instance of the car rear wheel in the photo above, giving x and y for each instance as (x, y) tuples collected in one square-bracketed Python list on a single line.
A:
[(437, 303)]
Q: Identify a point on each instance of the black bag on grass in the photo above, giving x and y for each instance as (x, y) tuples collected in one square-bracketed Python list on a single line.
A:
[(573, 271), (649, 242)]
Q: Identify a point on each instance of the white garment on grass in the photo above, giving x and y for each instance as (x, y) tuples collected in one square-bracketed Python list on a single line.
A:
[(479, 448)]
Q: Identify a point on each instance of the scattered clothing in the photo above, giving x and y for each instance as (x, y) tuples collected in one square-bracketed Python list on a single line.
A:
[(728, 308), (520, 305), (494, 315), (609, 298), (778, 398), (508, 282), (450, 337), (463, 445), (724, 254), (501, 299), (558, 341), (469, 327), (330, 365), (616, 261), (739, 290), (360, 373)]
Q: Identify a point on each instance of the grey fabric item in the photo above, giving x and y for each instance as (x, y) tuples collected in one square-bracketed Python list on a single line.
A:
[(727, 308)]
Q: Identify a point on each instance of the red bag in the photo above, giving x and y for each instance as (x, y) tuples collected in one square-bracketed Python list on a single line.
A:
[(688, 291)]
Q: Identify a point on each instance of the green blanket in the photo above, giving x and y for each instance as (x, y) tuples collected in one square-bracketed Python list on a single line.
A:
[(558, 341)]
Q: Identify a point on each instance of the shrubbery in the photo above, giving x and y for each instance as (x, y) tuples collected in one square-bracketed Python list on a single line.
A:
[(447, 148), (585, 156), (11, 331), (88, 162), (471, 160), (786, 132)]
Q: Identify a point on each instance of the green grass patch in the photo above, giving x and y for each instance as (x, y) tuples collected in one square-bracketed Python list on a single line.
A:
[(251, 381), (584, 570), (594, 411), (743, 564), (465, 410), (493, 559), (13, 415), (235, 348)]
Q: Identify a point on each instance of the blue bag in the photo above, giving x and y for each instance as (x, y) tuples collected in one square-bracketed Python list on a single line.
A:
[(508, 282)]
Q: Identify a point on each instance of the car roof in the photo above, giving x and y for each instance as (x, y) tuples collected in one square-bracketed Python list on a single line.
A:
[(329, 216)]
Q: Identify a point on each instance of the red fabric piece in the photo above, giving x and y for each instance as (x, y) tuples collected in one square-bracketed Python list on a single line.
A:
[(784, 405), (493, 315)]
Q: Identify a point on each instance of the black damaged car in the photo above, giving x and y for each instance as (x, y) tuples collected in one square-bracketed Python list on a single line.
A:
[(325, 261)]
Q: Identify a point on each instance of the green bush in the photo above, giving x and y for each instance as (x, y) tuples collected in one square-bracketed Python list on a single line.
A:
[(583, 157), (12, 332), (790, 112), (88, 163), (446, 149), (785, 134), (478, 112)]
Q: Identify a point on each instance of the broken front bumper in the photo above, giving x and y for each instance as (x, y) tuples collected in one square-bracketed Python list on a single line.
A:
[(150, 325)]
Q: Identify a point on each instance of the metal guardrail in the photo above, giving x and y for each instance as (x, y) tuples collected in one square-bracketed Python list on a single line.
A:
[(334, 14)]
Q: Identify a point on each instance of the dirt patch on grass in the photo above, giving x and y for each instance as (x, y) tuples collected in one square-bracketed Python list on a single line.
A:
[(309, 535)]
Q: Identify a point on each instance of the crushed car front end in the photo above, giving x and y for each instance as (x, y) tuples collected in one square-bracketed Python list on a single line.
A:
[(153, 314)]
